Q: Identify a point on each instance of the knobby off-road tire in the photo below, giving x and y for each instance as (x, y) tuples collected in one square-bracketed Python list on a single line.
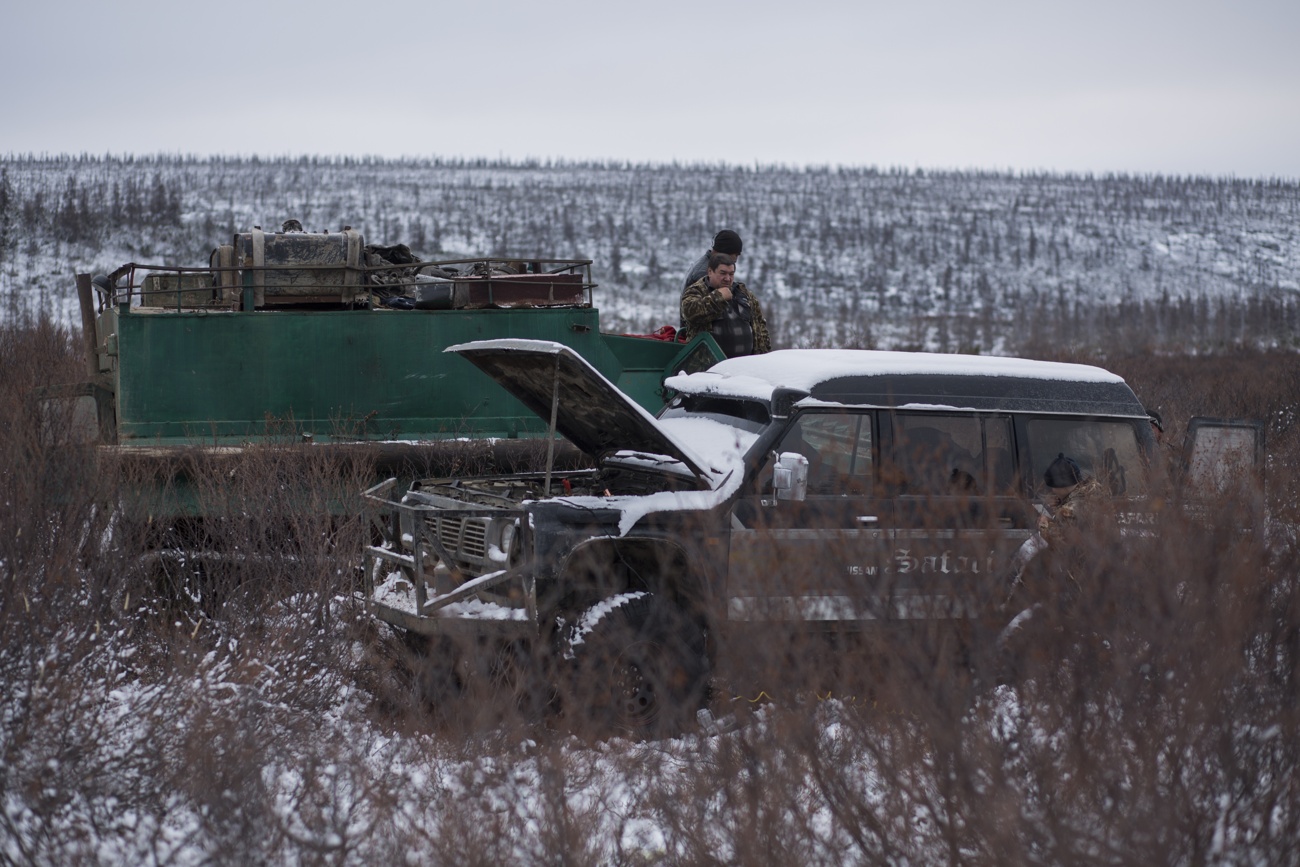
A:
[(471, 685), (639, 668), (438, 688)]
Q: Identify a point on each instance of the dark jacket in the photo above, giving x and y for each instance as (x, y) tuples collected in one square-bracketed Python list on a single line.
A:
[(698, 270), (737, 325)]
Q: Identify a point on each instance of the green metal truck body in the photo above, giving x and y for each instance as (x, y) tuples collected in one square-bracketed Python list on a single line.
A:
[(249, 350), (197, 377), (299, 339)]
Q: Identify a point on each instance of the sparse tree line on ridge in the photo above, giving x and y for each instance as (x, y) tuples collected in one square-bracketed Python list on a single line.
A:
[(956, 261)]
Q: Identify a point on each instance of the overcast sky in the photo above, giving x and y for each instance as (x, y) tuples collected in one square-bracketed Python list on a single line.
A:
[(1186, 87)]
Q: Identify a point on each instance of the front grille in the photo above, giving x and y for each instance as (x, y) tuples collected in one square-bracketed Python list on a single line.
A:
[(464, 538)]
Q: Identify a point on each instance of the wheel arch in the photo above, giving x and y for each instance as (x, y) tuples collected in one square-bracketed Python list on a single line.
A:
[(602, 567)]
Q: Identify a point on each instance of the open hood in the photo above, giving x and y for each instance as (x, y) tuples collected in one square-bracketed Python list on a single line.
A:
[(591, 412)]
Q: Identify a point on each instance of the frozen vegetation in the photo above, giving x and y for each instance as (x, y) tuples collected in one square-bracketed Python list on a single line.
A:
[(247, 712), (843, 257)]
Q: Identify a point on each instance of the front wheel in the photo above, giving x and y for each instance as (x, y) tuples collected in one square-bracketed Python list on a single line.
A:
[(639, 667)]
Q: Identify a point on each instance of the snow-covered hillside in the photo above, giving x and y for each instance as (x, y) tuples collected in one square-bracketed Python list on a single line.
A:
[(840, 256)]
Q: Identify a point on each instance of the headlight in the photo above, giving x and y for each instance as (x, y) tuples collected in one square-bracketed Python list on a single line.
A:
[(512, 544), (508, 533)]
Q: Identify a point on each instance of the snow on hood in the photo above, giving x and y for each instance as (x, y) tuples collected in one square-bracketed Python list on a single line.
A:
[(757, 376), (720, 446)]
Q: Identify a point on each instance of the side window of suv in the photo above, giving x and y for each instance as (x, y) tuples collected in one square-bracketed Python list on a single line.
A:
[(1108, 450), (938, 454), (838, 448)]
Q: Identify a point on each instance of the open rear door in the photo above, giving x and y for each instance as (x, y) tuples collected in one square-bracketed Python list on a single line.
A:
[(1221, 456)]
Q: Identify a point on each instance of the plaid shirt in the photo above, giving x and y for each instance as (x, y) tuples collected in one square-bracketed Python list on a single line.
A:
[(737, 325)]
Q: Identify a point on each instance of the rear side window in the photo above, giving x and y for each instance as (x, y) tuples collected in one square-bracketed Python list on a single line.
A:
[(1106, 450), (936, 454)]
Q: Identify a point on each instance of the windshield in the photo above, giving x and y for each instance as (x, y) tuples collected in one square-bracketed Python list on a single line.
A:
[(747, 415)]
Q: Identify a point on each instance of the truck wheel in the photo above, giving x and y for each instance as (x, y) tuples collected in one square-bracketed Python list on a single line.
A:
[(639, 667), (437, 686)]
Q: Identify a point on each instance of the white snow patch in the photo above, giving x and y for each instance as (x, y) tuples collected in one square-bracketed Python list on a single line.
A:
[(474, 609), (397, 592), (634, 508), (598, 612), (756, 376), (720, 447)]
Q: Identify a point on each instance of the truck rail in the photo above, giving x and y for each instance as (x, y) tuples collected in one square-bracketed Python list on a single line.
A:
[(227, 283)]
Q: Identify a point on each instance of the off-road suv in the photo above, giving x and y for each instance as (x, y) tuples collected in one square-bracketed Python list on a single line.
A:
[(802, 490)]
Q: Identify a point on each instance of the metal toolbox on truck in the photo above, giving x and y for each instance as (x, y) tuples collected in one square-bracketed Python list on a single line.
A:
[(177, 290), (523, 290), (300, 267)]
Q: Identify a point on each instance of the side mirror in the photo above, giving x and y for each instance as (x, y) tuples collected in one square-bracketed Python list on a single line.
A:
[(790, 477)]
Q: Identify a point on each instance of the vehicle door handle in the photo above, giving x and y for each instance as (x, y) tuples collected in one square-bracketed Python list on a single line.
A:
[(867, 519)]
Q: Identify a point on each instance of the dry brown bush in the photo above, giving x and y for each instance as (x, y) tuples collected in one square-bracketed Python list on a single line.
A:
[(242, 711)]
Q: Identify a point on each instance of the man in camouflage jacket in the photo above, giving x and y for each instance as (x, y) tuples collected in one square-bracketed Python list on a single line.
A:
[(716, 304), (1075, 511), (1055, 589), (1077, 519)]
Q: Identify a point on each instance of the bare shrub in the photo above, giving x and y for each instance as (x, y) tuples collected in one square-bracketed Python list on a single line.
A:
[(249, 712)]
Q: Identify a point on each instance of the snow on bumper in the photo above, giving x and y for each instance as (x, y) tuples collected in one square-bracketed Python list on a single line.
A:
[(395, 602)]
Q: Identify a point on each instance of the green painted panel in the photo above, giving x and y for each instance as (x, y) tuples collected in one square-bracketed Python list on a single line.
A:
[(644, 363), (342, 375)]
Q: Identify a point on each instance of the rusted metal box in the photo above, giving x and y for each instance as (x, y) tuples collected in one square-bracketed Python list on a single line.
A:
[(284, 268), (525, 290), (177, 290)]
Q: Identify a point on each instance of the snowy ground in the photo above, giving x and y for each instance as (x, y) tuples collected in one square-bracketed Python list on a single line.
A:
[(280, 754)]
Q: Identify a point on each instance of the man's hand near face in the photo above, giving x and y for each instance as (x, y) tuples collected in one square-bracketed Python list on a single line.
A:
[(721, 279)]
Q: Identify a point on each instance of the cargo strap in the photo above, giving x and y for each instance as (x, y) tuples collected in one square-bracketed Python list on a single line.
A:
[(259, 268), (227, 279), (355, 277)]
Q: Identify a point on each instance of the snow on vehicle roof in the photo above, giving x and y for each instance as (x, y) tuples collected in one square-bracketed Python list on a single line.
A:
[(756, 376)]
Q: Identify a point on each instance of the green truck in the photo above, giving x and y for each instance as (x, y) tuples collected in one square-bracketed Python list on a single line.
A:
[(333, 346), (322, 337)]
